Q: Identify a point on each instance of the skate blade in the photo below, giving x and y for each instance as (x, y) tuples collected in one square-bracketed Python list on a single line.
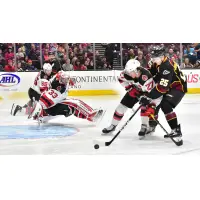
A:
[(141, 137), (13, 106), (99, 119), (107, 134)]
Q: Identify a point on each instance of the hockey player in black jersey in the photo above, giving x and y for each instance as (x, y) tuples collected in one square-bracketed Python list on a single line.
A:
[(137, 81), (55, 63), (41, 84), (171, 86)]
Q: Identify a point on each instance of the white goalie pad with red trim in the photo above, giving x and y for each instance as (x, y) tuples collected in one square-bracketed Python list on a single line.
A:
[(79, 105)]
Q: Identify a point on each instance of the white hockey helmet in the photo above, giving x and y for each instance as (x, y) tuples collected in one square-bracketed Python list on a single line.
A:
[(131, 66), (47, 68), (64, 77)]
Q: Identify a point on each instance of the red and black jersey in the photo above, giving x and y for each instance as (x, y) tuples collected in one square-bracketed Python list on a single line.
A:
[(56, 85), (42, 75), (143, 83), (167, 75)]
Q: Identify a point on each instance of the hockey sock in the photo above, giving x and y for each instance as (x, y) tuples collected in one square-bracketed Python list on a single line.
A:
[(118, 114), (172, 120)]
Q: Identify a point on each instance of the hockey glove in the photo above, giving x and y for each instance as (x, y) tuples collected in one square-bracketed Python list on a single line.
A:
[(144, 100), (151, 108)]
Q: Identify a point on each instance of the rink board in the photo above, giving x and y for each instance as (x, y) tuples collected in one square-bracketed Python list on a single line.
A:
[(88, 83)]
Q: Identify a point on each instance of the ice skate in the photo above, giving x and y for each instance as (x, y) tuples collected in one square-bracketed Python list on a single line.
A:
[(109, 129), (151, 130), (143, 131), (15, 109), (175, 133), (96, 115)]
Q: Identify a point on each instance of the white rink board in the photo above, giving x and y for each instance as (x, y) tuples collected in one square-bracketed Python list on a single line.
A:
[(85, 81)]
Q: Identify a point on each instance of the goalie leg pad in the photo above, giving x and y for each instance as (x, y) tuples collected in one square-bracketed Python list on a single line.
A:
[(81, 109)]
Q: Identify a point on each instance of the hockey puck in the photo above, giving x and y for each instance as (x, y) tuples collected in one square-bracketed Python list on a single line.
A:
[(96, 146)]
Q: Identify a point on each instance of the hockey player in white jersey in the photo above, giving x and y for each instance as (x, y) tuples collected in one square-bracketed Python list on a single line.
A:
[(55, 102), (137, 81), (41, 84)]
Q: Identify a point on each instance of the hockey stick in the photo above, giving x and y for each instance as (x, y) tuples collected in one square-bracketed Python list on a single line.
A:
[(96, 146), (178, 143)]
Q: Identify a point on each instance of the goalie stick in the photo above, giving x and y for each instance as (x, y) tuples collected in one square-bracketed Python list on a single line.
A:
[(178, 143), (116, 135)]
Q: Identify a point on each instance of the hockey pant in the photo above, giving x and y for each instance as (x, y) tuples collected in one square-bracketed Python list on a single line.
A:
[(170, 100)]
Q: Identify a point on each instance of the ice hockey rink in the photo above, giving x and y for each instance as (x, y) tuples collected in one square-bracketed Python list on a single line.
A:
[(22, 136)]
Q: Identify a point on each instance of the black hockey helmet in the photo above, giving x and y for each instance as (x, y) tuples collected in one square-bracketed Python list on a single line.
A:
[(157, 51)]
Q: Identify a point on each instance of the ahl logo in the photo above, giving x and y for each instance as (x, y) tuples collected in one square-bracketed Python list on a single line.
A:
[(9, 80)]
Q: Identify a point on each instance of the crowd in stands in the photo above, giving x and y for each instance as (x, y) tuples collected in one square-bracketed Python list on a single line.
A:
[(79, 56), (189, 59)]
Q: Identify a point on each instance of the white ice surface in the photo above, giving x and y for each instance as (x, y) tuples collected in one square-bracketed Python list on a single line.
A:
[(188, 113)]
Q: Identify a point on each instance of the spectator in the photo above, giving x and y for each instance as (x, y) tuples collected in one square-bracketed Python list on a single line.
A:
[(141, 59), (191, 54), (186, 63), (71, 55), (2, 59), (99, 63), (20, 55), (29, 66), (106, 65), (172, 55), (67, 66), (19, 67), (1, 68), (34, 56), (23, 48), (109, 54), (46, 56), (197, 64), (74, 60), (9, 55), (197, 50), (78, 66), (91, 65), (83, 67), (9, 67), (60, 53), (86, 63)]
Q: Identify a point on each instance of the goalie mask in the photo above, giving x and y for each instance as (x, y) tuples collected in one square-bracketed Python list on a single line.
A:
[(132, 67), (63, 77), (47, 69)]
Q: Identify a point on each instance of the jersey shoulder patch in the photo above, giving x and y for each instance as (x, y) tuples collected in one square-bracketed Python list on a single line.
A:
[(165, 72), (144, 77)]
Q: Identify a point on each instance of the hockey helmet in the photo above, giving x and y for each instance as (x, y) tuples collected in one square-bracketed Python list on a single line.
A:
[(47, 68), (132, 66), (157, 51)]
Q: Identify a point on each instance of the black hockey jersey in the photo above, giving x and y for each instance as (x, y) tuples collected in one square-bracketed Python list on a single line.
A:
[(56, 85), (167, 75)]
